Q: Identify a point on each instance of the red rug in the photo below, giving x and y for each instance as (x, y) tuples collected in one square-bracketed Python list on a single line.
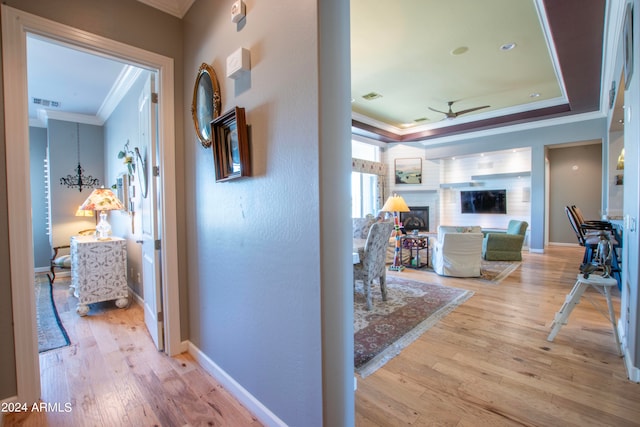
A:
[(410, 310)]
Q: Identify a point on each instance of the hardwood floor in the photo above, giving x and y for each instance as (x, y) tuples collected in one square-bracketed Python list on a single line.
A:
[(112, 375), (488, 363)]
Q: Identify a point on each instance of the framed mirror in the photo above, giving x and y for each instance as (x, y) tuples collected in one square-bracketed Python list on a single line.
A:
[(206, 103)]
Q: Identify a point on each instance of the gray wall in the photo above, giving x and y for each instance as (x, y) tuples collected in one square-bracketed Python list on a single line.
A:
[(63, 161), (39, 205), (575, 176), (255, 245), (130, 22)]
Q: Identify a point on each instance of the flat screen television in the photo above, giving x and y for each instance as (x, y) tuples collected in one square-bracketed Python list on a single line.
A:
[(484, 202)]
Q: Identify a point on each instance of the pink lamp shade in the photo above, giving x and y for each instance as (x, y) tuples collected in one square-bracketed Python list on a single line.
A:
[(102, 200)]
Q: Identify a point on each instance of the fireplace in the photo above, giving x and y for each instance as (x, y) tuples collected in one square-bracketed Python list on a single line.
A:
[(416, 219)]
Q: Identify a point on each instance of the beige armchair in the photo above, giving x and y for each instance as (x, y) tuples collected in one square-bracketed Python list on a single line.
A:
[(457, 254), (372, 260)]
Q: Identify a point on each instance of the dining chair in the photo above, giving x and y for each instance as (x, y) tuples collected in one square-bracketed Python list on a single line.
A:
[(372, 261), (588, 235)]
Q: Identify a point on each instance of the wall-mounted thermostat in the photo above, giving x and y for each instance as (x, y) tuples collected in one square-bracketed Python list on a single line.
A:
[(237, 62), (237, 11)]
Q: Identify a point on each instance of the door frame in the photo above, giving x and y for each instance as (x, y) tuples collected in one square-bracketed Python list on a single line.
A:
[(15, 26)]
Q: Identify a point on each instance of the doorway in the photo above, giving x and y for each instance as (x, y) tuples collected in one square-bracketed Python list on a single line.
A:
[(15, 27)]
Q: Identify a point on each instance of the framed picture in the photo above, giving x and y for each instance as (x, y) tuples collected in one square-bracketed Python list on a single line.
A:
[(206, 103), (231, 145), (408, 171), (628, 45)]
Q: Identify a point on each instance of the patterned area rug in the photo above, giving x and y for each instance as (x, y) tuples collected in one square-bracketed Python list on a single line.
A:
[(410, 310), (497, 271), (51, 333)]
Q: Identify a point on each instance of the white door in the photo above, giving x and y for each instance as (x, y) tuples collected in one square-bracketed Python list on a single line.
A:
[(149, 213)]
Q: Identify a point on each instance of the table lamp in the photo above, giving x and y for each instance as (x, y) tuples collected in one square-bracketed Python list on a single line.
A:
[(83, 212), (396, 204), (102, 200)]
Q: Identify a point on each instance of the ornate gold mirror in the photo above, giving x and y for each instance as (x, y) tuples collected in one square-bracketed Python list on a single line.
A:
[(206, 103)]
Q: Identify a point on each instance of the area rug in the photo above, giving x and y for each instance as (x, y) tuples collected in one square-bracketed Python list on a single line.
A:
[(497, 271), (410, 310), (51, 333)]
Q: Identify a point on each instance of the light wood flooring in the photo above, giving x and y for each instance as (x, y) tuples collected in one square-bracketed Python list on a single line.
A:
[(485, 364), (488, 363), (113, 376)]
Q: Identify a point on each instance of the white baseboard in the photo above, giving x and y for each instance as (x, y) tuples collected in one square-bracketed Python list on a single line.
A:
[(244, 397), (136, 298), (633, 372), (573, 245)]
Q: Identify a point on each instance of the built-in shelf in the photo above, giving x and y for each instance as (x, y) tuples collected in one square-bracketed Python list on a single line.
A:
[(461, 184), (502, 175), (414, 190)]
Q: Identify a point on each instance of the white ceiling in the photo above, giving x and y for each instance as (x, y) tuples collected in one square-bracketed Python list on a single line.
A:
[(411, 57)]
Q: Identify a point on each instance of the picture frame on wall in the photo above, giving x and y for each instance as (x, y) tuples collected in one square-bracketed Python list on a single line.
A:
[(231, 145), (408, 171), (628, 45)]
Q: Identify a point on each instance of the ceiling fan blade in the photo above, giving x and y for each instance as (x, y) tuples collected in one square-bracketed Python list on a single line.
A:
[(469, 110), (437, 111)]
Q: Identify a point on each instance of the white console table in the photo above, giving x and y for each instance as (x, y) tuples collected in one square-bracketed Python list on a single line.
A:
[(98, 271)]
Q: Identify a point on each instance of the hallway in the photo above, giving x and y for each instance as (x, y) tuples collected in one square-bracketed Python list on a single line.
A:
[(112, 375)]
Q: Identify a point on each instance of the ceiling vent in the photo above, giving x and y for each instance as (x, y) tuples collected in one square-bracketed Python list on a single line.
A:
[(371, 96), (46, 102)]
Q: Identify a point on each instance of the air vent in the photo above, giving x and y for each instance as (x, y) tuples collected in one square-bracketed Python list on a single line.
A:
[(371, 96), (421, 119), (46, 102)]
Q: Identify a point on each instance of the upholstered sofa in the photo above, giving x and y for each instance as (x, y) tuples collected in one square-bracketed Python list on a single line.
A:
[(505, 246), (457, 251)]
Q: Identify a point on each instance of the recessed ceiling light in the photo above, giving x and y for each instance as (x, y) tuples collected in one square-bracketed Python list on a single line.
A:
[(508, 46), (534, 95), (459, 50)]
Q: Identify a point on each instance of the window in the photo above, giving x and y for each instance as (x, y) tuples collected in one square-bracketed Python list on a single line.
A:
[(363, 194), (364, 186)]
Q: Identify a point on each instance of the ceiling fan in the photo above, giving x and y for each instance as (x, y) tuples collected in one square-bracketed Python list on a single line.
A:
[(453, 114)]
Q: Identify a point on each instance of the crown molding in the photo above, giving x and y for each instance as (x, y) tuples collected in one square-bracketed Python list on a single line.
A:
[(177, 8)]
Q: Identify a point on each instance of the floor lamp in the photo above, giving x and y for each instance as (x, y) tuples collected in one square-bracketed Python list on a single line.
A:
[(396, 204)]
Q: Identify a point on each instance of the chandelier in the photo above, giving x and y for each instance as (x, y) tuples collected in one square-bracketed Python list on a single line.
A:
[(79, 179)]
